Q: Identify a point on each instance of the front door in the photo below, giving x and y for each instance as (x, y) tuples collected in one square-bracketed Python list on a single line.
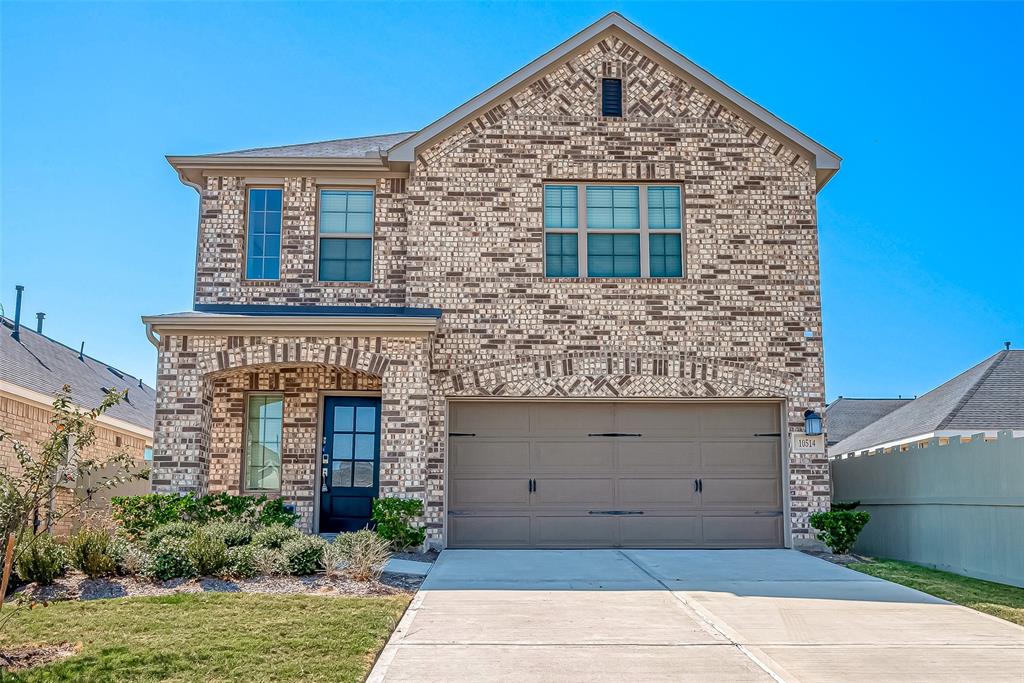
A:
[(349, 462)]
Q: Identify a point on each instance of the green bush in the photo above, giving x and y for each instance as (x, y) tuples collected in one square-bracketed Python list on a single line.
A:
[(850, 505), (207, 552), (233, 534), (838, 529), (269, 561), (179, 530), (364, 554), (95, 552), (304, 554), (171, 560), (242, 561), (394, 518), (135, 561), (42, 561), (273, 537), (138, 515)]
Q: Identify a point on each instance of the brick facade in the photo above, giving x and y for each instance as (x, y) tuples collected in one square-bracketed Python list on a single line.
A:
[(464, 233)]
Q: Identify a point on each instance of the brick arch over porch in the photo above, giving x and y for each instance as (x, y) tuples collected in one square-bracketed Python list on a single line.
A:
[(359, 358), (624, 374)]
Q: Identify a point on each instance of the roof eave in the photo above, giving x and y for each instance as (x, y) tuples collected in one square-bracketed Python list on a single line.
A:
[(290, 325), (191, 168)]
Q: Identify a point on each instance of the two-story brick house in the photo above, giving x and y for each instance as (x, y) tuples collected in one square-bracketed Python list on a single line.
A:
[(580, 310)]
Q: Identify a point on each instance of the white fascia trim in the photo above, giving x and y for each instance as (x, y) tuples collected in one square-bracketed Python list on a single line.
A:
[(825, 159), (938, 434), (289, 325), (41, 400)]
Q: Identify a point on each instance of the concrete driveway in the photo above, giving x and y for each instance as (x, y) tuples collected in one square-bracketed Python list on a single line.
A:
[(685, 615)]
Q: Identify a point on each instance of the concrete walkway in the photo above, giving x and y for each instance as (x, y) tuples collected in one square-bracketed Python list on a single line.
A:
[(678, 615)]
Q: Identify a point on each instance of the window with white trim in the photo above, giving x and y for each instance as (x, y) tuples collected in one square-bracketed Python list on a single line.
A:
[(346, 235), (616, 231), (264, 422)]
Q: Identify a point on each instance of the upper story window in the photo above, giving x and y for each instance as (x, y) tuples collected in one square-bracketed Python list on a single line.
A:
[(346, 235), (265, 416), (263, 235), (611, 97), (617, 231)]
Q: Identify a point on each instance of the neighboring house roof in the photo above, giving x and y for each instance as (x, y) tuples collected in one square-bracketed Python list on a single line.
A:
[(43, 366), (401, 147), (846, 416), (987, 397), (344, 148)]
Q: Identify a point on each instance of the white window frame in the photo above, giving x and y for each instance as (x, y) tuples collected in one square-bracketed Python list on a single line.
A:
[(347, 235), (645, 231)]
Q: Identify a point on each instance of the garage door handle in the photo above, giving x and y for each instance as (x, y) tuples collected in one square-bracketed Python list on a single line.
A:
[(698, 485), (616, 434)]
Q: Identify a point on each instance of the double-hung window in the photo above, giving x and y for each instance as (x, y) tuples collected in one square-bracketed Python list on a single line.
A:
[(613, 231), (265, 416), (346, 235), (263, 235)]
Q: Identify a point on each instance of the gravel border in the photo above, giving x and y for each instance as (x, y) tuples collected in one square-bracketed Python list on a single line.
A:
[(841, 560)]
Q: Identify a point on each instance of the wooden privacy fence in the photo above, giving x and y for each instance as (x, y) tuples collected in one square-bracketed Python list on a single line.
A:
[(957, 507)]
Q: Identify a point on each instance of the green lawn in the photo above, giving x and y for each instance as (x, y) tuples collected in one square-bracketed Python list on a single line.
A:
[(210, 637), (997, 599)]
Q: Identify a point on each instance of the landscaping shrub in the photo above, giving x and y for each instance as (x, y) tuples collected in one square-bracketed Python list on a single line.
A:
[(332, 560), (179, 530), (365, 553), (274, 537), (395, 517), (95, 552), (269, 561), (42, 561), (851, 505), (207, 552), (136, 561), (242, 561), (838, 529), (138, 515), (303, 554), (233, 534), (171, 560)]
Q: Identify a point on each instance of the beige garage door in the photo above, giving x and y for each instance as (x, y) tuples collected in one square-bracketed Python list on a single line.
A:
[(614, 474)]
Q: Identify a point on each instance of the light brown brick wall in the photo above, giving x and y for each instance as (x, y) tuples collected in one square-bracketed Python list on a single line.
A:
[(465, 234), (30, 424)]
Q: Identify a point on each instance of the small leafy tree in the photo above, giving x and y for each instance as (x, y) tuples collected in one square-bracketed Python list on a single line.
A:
[(838, 529), (395, 518), (58, 460)]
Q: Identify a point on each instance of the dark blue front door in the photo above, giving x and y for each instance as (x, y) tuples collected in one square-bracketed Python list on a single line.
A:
[(349, 462)]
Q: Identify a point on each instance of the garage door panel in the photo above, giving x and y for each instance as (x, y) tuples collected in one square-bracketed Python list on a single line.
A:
[(489, 531), (676, 531), (747, 493), (667, 456), (576, 419), (482, 492), (641, 493), (489, 456), (575, 530), (740, 456), (573, 456), (739, 419), (656, 419), (745, 531), (482, 419), (574, 491)]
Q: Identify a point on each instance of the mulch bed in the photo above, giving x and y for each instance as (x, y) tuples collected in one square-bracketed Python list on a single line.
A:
[(841, 560), (76, 586), (26, 656)]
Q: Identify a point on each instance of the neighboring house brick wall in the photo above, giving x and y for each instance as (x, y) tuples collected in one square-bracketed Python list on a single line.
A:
[(30, 424), (465, 234)]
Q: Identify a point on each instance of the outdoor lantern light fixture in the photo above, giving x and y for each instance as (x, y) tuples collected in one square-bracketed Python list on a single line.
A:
[(812, 423)]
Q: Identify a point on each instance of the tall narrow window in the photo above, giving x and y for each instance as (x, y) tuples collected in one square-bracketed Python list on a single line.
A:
[(346, 235), (665, 223), (613, 231), (561, 225), (611, 97), (265, 416), (263, 236)]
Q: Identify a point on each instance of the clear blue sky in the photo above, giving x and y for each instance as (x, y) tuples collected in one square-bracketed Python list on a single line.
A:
[(921, 232)]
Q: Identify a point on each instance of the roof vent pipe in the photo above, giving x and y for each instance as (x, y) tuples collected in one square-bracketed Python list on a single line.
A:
[(17, 313), (39, 322), (1007, 345), (81, 352)]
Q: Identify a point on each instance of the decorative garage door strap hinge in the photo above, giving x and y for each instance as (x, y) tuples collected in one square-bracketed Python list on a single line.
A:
[(461, 434), (615, 512), (769, 434), (616, 434)]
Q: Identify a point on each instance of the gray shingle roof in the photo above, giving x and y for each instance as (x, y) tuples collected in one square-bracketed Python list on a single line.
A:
[(344, 148), (846, 416), (989, 396), (45, 365)]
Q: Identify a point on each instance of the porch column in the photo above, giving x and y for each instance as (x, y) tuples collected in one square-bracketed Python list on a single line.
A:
[(181, 446)]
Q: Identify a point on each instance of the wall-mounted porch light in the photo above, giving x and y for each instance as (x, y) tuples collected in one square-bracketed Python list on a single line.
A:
[(812, 423)]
